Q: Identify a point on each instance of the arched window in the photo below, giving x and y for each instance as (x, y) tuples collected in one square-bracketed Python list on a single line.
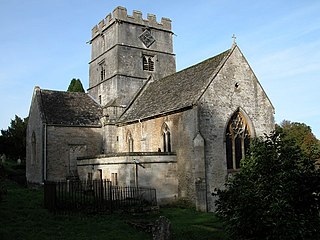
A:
[(102, 69), (130, 142), (166, 138), (33, 148), (237, 140)]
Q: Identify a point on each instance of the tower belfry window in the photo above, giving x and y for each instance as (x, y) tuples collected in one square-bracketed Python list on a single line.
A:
[(102, 69), (148, 63), (237, 140)]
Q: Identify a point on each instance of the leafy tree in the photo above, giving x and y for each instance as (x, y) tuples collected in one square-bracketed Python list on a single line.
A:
[(13, 140), (303, 137), (75, 86), (276, 194)]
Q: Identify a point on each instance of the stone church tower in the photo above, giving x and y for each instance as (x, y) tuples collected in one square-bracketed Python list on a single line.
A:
[(186, 132), (126, 51)]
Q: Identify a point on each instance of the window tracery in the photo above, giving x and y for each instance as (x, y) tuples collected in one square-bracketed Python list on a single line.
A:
[(237, 140)]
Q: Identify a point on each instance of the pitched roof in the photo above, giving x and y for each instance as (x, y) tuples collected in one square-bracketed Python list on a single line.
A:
[(175, 92), (69, 108)]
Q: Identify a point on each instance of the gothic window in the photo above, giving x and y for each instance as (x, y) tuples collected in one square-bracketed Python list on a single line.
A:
[(166, 138), (33, 148), (237, 140), (148, 63), (130, 142), (100, 99), (102, 69), (114, 179)]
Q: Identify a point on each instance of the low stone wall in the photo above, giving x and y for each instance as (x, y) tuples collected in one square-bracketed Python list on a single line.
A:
[(154, 170)]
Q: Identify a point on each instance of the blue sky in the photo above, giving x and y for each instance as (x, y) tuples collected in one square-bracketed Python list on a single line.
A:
[(43, 43)]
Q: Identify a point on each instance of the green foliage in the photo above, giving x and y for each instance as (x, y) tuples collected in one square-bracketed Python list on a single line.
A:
[(12, 170), (181, 203), (75, 86), (13, 140), (274, 196), (3, 189), (303, 137)]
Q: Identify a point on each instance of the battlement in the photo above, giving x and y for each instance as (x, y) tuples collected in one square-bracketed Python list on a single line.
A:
[(120, 14)]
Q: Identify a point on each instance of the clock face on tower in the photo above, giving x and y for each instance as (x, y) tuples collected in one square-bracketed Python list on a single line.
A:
[(147, 38)]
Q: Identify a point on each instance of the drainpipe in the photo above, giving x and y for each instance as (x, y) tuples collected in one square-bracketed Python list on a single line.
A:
[(45, 153), (140, 129)]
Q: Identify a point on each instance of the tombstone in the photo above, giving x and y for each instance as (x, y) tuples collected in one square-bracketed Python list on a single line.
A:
[(3, 158), (19, 161), (161, 229)]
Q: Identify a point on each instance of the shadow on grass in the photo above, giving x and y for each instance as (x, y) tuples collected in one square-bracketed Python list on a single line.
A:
[(24, 217)]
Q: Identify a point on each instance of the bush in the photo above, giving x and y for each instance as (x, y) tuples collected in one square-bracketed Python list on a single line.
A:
[(274, 196), (3, 189)]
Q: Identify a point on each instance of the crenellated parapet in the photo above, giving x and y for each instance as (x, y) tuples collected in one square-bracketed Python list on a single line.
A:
[(120, 14)]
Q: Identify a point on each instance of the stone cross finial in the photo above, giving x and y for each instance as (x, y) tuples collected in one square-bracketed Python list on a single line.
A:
[(234, 38)]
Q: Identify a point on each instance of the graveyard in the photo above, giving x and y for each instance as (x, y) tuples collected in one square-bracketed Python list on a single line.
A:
[(23, 216)]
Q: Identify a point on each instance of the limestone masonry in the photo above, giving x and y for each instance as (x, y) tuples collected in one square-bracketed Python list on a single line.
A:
[(188, 129)]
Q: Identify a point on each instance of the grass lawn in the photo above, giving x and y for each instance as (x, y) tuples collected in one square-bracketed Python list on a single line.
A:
[(22, 216)]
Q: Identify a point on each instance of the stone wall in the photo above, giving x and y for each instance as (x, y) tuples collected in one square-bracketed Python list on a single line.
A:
[(34, 145), (155, 170), (120, 14), (65, 144), (235, 87), (117, 47), (147, 137)]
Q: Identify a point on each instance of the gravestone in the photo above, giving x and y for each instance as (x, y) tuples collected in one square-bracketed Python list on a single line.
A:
[(161, 229), (3, 158)]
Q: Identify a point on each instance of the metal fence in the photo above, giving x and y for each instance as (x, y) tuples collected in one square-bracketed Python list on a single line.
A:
[(96, 196)]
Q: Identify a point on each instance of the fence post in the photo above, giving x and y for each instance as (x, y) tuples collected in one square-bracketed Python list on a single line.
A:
[(109, 185), (70, 196)]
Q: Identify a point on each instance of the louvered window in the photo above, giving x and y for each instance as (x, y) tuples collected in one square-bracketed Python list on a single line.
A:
[(102, 69), (148, 63)]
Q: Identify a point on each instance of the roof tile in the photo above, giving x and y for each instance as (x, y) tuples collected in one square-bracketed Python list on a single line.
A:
[(69, 108), (177, 91)]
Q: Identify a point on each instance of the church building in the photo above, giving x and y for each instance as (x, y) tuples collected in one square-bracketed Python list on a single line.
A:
[(143, 124)]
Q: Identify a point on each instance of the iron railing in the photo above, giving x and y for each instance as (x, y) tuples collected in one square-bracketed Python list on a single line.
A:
[(96, 196)]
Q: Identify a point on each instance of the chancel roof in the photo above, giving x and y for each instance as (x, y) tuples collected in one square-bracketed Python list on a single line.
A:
[(69, 108), (175, 92)]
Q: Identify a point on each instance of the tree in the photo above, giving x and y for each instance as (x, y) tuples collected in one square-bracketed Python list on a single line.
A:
[(75, 86), (276, 194), (303, 137), (13, 140)]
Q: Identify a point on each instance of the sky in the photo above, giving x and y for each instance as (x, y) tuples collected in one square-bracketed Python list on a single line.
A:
[(44, 43)]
